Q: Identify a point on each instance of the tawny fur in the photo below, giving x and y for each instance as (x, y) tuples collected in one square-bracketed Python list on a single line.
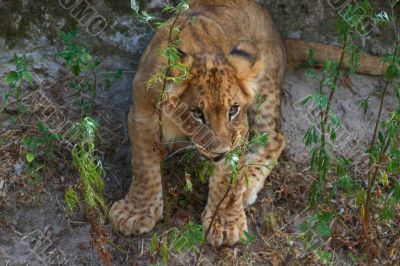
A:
[(219, 78)]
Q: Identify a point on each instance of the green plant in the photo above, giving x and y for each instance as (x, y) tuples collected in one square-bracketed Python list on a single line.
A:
[(86, 71), (382, 193), (247, 239), (39, 147), (15, 80), (89, 191), (40, 143), (176, 240), (89, 167)]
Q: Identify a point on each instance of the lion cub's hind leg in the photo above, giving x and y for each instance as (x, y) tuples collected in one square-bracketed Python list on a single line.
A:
[(265, 119)]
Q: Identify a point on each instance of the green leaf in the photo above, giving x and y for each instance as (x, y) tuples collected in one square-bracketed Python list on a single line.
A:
[(324, 256), (154, 243), (85, 57), (30, 157), (320, 99), (353, 60), (384, 178), (346, 183), (388, 212), (134, 6), (397, 91), (361, 197), (393, 166), (332, 135), (164, 253), (11, 78), (396, 192), (342, 164), (365, 105), (76, 69), (326, 217), (323, 229), (311, 136), (305, 227), (27, 76), (169, 9), (67, 38), (247, 238), (259, 140), (381, 137), (374, 153), (382, 18), (260, 99), (392, 72), (311, 61), (334, 119), (71, 199)]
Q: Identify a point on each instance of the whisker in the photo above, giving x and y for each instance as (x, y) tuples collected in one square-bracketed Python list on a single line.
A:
[(179, 150), (191, 154), (196, 155)]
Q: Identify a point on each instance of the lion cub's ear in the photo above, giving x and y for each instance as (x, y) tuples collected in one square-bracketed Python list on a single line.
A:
[(185, 58), (245, 58)]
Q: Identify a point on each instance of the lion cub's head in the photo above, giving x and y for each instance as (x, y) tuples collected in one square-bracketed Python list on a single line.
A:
[(211, 105)]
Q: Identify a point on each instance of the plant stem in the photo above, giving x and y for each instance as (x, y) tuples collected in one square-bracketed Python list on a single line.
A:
[(231, 183), (213, 220), (374, 170), (117, 247), (325, 113), (160, 137), (373, 177), (18, 96)]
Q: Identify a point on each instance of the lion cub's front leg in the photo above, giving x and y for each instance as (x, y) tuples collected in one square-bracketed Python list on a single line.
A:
[(230, 219), (142, 207)]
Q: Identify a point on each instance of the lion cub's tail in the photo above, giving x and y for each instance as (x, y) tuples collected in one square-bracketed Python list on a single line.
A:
[(297, 52)]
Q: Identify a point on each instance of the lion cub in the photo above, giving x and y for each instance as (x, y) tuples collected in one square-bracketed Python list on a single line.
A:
[(234, 52)]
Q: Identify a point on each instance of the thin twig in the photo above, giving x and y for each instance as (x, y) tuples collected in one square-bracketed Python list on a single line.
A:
[(164, 86), (117, 247), (325, 113), (372, 178), (231, 183), (212, 221), (374, 170), (340, 219)]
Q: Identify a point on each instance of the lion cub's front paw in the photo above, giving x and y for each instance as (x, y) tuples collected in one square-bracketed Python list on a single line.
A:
[(130, 220), (227, 227)]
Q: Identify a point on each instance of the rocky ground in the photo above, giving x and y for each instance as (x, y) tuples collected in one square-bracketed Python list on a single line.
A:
[(34, 226)]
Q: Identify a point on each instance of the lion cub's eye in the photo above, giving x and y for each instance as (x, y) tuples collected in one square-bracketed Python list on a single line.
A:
[(235, 109), (198, 114)]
